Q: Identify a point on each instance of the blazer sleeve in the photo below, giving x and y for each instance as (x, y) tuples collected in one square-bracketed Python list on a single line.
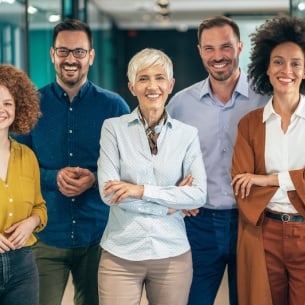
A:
[(248, 157)]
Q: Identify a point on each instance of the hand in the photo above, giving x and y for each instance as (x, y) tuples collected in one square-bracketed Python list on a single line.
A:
[(171, 211), (5, 244), (18, 234), (120, 190), (242, 183), (73, 181), (192, 212), (188, 180)]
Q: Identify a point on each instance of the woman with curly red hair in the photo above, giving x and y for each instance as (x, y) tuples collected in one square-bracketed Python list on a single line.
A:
[(22, 208)]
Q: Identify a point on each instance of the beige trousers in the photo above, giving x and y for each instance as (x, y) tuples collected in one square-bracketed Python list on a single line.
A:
[(167, 281)]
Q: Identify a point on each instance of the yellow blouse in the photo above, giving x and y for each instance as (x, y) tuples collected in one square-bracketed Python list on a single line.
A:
[(20, 194)]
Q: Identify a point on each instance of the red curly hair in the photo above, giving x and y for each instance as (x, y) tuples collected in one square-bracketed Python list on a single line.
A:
[(25, 95)]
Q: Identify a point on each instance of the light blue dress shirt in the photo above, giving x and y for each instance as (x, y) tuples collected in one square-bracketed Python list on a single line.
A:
[(217, 127), (140, 229)]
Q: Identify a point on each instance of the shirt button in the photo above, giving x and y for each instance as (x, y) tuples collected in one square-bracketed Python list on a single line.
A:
[(10, 200), (73, 199), (71, 109), (71, 154), (74, 221), (70, 131), (10, 214)]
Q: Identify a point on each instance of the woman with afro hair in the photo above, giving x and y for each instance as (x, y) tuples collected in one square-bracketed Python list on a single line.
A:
[(269, 170), (22, 208)]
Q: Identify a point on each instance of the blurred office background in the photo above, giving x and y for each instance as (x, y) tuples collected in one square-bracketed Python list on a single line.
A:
[(120, 29), (123, 27)]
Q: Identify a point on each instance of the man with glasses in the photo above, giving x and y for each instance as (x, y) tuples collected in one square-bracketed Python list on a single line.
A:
[(66, 143)]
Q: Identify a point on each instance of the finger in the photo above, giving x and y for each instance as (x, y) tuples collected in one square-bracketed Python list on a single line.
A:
[(3, 247), (115, 196)]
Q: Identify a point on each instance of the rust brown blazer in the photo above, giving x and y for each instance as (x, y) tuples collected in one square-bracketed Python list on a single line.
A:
[(249, 156)]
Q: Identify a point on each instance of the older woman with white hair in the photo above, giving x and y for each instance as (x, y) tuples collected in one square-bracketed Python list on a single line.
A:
[(150, 169)]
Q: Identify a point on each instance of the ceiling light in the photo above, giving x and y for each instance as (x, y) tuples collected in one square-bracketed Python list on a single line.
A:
[(301, 6), (32, 10), (54, 18), (7, 1)]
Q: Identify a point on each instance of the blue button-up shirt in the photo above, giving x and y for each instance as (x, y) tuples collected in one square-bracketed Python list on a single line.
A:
[(68, 134), (217, 127), (140, 229)]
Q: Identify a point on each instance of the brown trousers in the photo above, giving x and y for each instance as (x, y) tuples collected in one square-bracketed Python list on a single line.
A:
[(284, 244), (167, 281)]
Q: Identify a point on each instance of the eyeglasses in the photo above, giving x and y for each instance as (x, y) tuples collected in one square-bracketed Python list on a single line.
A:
[(77, 53)]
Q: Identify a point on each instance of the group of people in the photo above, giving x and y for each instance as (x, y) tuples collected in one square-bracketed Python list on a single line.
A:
[(166, 197)]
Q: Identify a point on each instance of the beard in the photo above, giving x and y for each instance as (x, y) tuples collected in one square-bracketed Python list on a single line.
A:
[(224, 74), (72, 80)]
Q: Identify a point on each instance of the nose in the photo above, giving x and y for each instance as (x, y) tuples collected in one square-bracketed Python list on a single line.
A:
[(287, 68), (70, 57), (152, 84)]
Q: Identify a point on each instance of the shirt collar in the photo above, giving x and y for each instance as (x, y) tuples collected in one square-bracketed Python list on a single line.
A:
[(134, 118), (60, 92), (269, 110), (242, 86)]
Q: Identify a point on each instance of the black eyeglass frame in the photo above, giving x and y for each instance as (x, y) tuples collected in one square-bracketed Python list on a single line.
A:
[(73, 51)]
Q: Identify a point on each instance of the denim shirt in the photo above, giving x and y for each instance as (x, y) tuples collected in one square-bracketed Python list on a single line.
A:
[(68, 134)]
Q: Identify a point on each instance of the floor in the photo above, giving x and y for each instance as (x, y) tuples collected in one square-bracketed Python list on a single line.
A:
[(222, 296)]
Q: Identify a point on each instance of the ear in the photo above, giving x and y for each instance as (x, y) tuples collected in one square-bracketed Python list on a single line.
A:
[(52, 54), (240, 46), (91, 56), (199, 49), (268, 72), (131, 88), (171, 85)]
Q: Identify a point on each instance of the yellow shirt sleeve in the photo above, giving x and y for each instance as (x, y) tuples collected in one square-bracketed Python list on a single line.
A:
[(20, 194)]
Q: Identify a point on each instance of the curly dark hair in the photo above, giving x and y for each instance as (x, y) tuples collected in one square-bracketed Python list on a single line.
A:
[(25, 95), (271, 33)]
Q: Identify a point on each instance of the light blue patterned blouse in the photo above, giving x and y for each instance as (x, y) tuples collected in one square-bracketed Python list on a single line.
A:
[(140, 229)]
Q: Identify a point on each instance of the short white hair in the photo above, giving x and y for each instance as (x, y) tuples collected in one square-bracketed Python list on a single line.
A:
[(146, 58)]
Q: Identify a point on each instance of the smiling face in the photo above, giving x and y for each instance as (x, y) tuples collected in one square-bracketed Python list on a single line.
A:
[(219, 50), (70, 71), (152, 87), (286, 68), (7, 109)]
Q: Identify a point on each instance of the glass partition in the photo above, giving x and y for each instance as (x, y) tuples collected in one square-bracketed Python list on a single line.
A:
[(13, 33)]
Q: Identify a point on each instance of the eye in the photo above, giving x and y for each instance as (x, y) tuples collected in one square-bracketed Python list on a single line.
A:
[(208, 49), (227, 46), (277, 62), (8, 104), (62, 52), (79, 52), (142, 78), (296, 64)]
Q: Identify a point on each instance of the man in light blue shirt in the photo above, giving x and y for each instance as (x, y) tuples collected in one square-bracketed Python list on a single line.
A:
[(215, 106)]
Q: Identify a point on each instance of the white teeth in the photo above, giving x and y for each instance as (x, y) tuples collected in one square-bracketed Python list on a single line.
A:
[(70, 68), (285, 80), (219, 65), (153, 95)]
